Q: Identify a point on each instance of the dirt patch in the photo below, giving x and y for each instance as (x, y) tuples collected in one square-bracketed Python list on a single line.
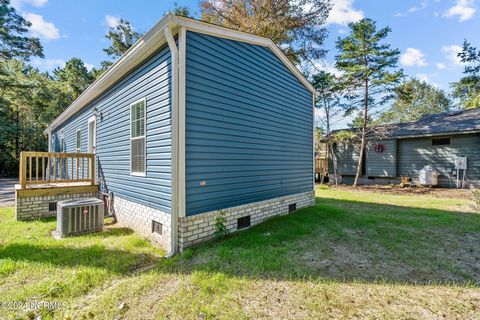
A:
[(433, 192)]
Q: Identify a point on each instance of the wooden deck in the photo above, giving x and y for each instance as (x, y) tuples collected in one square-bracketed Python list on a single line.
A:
[(321, 165), (51, 173)]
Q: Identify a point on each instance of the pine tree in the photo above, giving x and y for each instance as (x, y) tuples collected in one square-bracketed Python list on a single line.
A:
[(182, 11), (122, 38), (75, 75), (13, 42), (370, 73), (328, 101), (467, 90)]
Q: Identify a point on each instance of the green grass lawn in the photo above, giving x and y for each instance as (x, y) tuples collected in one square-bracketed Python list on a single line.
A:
[(356, 254)]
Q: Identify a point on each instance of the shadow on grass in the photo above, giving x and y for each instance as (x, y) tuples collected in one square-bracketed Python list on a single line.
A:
[(338, 240), (96, 256)]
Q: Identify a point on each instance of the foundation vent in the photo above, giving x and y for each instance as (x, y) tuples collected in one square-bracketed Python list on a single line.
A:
[(52, 207), (157, 227), (292, 207), (243, 222)]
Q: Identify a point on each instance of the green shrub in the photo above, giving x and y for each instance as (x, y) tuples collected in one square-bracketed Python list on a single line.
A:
[(220, 227)]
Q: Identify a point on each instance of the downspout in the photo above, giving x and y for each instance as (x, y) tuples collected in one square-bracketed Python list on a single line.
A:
[(174, 94)]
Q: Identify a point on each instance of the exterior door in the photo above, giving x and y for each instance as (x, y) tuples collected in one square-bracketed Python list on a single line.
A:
[(92, 135)]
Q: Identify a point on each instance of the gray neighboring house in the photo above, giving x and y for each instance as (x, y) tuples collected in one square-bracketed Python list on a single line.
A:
[(437, 141)]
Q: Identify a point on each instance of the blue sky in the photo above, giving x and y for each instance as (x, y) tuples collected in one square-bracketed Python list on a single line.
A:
[(428, 32)]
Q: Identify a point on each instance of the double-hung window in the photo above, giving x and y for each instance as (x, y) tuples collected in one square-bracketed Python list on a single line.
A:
[(79, 140), (137, 138)]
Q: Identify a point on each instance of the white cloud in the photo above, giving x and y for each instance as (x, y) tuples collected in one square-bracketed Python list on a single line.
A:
[(451, 53), (423, 77), (441, 66), (18, 4), (413, 57), (48, 64), (422, 6), (464, 9), (42, 28), (112, 21), (327, 67), (89, 66), (343, 12)]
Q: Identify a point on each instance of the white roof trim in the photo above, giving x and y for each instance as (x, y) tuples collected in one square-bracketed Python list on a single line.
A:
[(153, 40)]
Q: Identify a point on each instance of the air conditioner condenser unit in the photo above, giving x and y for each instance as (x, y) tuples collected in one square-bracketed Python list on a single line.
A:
[(79, 216)]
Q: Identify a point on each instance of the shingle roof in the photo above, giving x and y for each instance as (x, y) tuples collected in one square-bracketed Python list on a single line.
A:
[(462, 121)]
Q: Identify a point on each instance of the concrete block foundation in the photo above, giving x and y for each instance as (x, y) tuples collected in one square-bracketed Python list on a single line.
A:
[(44, 206)]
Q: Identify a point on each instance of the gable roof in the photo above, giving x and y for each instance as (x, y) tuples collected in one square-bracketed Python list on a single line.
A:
[(445, 123), (152, 41)]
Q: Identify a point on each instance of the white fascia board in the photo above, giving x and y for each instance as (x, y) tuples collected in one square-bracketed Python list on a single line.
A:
[(218, 31)]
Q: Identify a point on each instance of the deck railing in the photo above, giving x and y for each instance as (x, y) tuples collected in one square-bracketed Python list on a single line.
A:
[(41, 168), (321, 165)]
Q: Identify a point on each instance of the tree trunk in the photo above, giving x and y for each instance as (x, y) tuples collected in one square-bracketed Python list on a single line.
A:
[(334, 162), (363, 136), (17, 134)]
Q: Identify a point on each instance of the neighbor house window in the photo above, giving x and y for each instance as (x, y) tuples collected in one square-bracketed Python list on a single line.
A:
[(137, 137), (79, 140), (441, 141)]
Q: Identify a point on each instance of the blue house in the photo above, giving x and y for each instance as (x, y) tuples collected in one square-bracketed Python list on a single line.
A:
[(194, 120)]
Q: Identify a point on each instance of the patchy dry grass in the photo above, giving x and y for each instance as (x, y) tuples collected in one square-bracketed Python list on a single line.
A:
[(356, 254)]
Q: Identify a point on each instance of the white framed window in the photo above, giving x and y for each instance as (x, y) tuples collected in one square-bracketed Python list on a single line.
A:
[(137, 137), (62, 141), (79, 140)]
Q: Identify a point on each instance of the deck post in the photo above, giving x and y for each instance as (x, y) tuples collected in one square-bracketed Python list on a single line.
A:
[(92, 168), (23, 170)]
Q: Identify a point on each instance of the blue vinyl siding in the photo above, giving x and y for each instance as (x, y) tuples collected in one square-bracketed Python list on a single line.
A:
[(346, 156), (248, 126), (152, 80)]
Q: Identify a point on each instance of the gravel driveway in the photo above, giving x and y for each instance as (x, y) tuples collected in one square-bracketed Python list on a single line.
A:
[(7, 192)]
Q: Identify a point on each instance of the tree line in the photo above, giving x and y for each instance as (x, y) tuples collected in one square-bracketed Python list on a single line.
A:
[(369, 84), (31, 99)]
